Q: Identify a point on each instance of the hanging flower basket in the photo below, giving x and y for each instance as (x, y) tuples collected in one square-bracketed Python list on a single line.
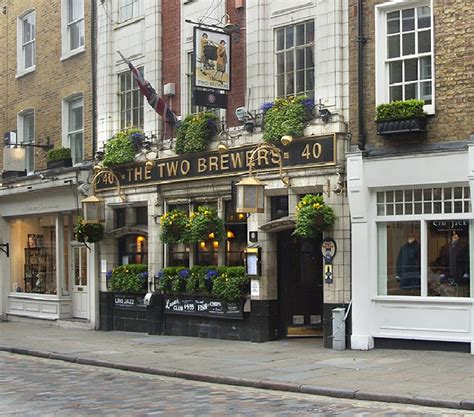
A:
[(205, 224), (313, 216), (174, 227), (88, 232)]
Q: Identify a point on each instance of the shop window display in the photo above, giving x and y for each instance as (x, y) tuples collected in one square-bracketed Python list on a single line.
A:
[(236, 235), (178, 253), (447, 260), (133, 249)]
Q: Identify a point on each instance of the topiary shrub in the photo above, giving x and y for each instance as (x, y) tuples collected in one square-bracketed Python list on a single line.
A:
[(121, 149), (131, 278), (400, 110), (58, 154)]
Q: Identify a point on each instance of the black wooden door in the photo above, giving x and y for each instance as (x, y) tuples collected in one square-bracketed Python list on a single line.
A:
[(300, 284)]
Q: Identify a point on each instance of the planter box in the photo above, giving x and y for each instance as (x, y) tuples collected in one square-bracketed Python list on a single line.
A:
[(63, 163), (397, 126), (204, 306)]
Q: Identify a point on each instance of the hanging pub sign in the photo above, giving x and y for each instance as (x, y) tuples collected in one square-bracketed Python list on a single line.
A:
[(211, 64)]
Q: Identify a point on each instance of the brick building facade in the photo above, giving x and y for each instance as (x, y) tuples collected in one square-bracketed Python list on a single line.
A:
[(46, 92), (411, 192)]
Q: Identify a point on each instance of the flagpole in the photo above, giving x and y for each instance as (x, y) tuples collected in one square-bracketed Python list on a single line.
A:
[(125, 59)]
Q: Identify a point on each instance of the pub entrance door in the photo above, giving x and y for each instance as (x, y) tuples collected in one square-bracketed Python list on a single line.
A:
[(300, 286)]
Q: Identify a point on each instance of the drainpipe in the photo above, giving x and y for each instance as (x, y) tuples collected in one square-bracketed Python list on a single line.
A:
[(94, 75), (360, 74)]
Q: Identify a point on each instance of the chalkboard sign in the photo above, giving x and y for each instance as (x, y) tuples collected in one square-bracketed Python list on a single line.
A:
[(128, 301), (207, 307)]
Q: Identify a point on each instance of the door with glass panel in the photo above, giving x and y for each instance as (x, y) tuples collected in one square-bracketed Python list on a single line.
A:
[(80, 288)]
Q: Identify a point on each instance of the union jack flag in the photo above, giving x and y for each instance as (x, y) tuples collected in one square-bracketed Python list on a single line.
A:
[(154, 100)]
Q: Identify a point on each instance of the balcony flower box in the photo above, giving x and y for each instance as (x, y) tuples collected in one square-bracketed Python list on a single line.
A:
[(401, 117)]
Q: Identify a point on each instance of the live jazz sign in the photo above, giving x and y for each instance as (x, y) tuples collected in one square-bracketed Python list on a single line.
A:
[(309, 151)]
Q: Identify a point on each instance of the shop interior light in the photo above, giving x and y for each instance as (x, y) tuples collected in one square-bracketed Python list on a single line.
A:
[(215, 244), (230, 234), (211, 235)]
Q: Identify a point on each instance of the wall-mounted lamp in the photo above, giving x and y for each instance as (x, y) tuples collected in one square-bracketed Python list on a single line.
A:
[(250, 190), (5, 248)]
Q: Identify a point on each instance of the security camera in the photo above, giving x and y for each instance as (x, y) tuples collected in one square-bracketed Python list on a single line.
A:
[(99, 156), (242, 114)]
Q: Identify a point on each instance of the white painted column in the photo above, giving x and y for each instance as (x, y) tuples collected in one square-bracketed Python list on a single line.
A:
[(93, 272)]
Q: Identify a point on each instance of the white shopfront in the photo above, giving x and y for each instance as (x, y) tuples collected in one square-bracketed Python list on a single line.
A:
[(412, 239), (47, 274)]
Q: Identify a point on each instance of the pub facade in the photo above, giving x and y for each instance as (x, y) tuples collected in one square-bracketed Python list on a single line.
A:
[(290, 292)]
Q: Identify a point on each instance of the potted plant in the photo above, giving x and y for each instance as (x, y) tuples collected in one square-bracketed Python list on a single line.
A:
[(286, 116), (88, 232), (312, 216), (59, 158), (174, 227), (194, 134), (205, 224), (122, 148), (401, 117)]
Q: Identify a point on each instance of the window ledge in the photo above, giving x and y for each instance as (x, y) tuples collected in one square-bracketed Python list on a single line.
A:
[(24, 72), (414, 299), (130, 21), (70, 54)]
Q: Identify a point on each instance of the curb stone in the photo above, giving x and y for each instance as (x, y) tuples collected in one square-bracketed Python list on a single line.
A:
[(264, 384)]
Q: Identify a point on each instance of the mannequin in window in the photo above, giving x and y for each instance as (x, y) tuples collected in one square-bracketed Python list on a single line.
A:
[(454, 261), (408, 264)]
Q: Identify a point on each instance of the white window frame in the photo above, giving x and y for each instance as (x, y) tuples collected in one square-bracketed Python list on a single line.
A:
[(135, 9), (381, 66), (423, 218), (132, 92), (29, 150), (293, 50), (21, 69), (66, 50), (66, 141)]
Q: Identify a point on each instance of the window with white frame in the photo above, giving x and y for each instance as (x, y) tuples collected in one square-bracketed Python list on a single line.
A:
[(26, 48), (424, 238), (128, 9), (26, 133), (130, 100), (294, 55), (74, 127), (405, 53), (72, 26)]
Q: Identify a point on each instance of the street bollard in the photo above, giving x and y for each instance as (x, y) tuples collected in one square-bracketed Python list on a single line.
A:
[(338, 329)]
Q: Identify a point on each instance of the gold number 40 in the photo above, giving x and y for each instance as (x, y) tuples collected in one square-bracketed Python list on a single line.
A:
[(313, 151)]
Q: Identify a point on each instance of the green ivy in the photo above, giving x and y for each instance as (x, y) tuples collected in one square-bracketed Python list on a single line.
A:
[(400, 110), (285, 117), (129, 278), (313, 215), (58, 154), (121, 149), (195, 132)]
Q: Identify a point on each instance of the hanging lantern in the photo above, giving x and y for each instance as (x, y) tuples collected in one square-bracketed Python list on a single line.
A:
[(250, 195), (93, 210)]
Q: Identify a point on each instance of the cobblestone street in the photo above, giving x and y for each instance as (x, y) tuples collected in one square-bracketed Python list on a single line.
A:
[(37, 387)]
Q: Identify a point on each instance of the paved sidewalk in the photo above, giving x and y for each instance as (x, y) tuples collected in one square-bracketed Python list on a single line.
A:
[(439, 379)]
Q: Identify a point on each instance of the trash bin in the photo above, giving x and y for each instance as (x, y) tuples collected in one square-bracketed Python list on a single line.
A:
[(338, 329)]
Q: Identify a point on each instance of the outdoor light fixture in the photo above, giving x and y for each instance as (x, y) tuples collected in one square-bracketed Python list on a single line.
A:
[(250, 190), (6, 250), (325, 114), (93, 207)]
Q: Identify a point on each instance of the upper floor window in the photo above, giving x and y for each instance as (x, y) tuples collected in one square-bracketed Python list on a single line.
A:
[(405, 50), (26, 42), (294, 50), (130, 101), (74, 128), (73, 25), (26, 133), (128, 9)]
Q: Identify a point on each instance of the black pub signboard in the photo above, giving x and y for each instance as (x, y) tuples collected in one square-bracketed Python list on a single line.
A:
[(128, 301), (301, 153), (208, 307)]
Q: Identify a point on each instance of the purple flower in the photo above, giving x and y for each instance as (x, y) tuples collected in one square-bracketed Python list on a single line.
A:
[(308, 103), (266, 106), (184, 273), (159, 275), (212, 273), (143, 276), (108, 275)]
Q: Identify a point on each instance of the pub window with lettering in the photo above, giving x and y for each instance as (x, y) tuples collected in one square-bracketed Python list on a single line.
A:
[(424, 242)]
